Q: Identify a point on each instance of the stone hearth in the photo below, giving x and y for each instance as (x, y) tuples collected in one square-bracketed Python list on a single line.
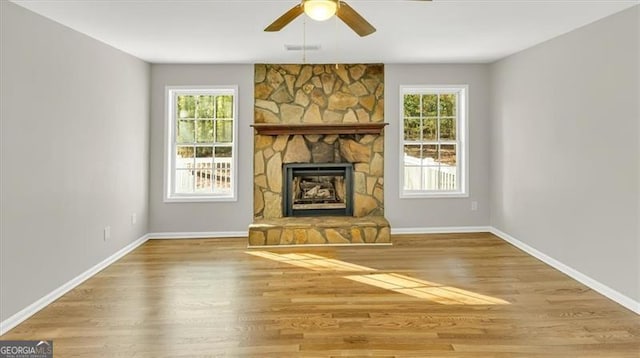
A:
[(325, 230), (321, 114)]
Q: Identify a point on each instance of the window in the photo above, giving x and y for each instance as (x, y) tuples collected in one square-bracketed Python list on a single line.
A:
[(201, 144), (433, 139)]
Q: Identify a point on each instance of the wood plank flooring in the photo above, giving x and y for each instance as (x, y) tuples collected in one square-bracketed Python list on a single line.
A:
[(454, 295)]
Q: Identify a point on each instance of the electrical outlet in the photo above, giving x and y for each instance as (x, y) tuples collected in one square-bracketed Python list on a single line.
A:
[(107, 233), (134, 219), (474, 206)]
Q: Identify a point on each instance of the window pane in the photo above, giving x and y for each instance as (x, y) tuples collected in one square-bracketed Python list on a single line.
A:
[(204, 152), (224, 131), (447, 178), (204, 131), (448, 105), (412, 178), (203, 178), (429, 129), (412, 154), (412, 129), (429, 154), (205, 106), (184, 181), (448, 154), (223, 152), (184, 157), (224, 107), (222, 172), (185, 132), (430, 179), (448, 128), (411, 105), (430, 105), (204, 169), (186, 106)]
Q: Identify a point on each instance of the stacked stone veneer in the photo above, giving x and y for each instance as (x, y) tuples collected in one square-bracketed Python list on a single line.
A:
[(299, 94)]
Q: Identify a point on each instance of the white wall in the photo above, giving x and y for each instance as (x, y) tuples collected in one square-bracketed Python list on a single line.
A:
[(438, 212), (565, 154), (206, 216), (74, 154)]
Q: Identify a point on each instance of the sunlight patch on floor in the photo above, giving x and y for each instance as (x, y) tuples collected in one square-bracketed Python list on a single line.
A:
[(432, 291), (311, 261)]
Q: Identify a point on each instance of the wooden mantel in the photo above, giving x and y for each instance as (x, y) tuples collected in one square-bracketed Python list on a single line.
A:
[(318, 128)]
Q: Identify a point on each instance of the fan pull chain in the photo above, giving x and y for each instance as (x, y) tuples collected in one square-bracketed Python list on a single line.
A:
[(304, 40), (335, 33)]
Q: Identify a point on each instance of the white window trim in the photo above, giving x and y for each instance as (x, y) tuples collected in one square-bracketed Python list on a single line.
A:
[(169, 158), (462, 142)]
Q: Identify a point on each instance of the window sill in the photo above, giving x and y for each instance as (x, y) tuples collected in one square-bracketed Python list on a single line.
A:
[(433, 195), (199, 199)]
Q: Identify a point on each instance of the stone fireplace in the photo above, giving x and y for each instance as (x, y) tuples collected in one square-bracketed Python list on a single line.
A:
[(319, 155)]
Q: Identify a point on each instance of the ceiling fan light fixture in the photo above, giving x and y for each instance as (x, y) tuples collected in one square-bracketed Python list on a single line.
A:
[(320, 10)]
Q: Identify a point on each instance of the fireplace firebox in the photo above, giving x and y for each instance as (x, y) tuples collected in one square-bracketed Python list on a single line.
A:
[(312, 189)]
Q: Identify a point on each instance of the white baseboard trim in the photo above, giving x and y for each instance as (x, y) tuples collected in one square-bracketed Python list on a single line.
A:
[(439, 230), (597, 286), (33, 308), (195, 235)]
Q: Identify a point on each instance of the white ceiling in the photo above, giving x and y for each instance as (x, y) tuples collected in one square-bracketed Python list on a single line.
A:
[(230, 31)]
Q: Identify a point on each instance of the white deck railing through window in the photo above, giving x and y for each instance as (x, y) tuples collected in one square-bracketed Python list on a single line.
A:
[(428, 174), (204, 176)]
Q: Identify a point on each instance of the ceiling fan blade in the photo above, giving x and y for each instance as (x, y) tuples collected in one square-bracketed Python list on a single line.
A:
[(356, 22), (285, 19)]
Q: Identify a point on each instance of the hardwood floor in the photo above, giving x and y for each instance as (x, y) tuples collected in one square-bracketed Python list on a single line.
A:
[(455, 295)]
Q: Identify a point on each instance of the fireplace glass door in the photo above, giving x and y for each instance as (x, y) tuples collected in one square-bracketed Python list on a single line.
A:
[(318, 189)]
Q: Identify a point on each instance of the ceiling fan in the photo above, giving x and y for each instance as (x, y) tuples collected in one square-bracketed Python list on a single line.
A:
[(321, 10)]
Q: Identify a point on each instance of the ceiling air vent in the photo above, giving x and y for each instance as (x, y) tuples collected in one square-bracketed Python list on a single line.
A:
[(302, 47)]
